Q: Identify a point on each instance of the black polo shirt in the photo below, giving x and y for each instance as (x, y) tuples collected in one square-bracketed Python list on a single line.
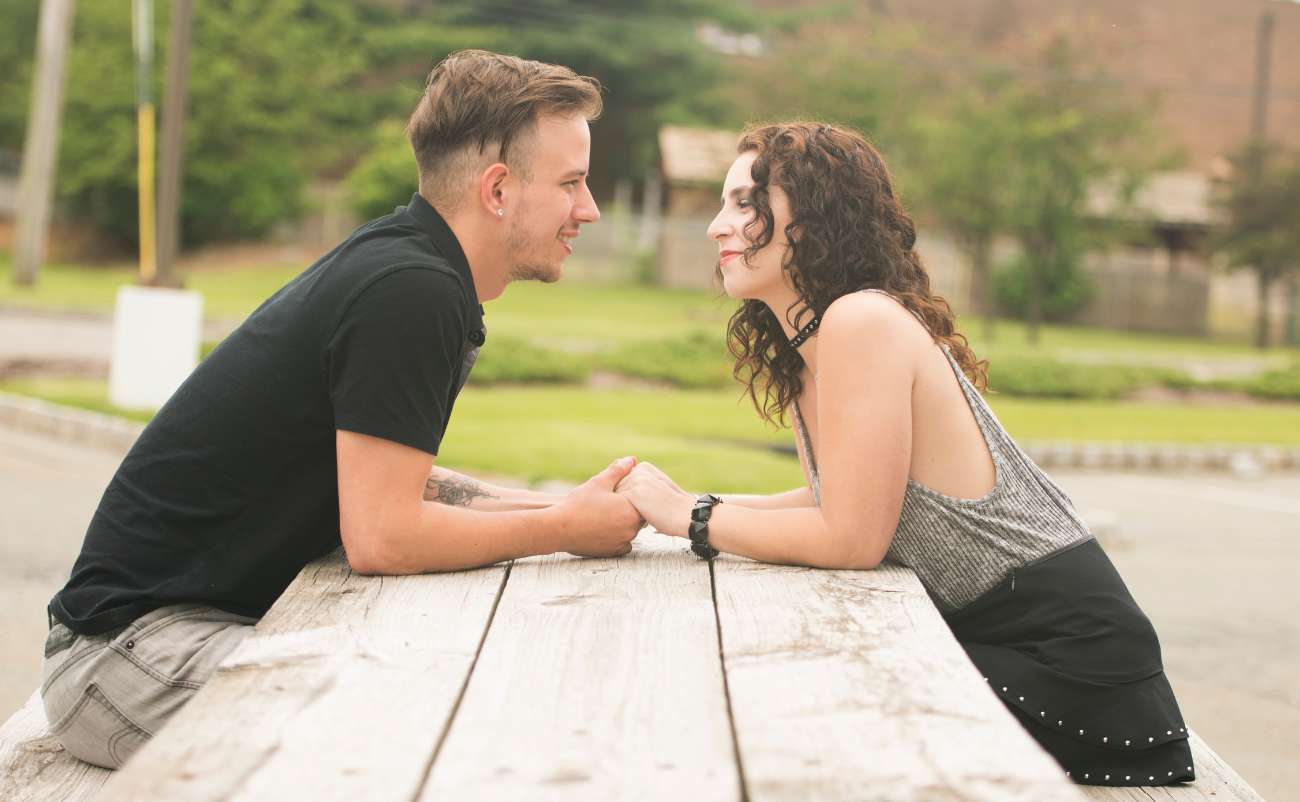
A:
[(232, 487)]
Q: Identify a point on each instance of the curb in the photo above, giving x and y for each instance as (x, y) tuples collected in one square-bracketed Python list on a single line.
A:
[(68, 423), (117, 434), (1243, 460)]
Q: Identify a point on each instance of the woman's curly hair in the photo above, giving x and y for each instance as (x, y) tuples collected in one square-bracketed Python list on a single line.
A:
[(847, 232)]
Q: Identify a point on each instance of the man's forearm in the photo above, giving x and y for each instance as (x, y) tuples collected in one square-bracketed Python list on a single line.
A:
[(458, 490)]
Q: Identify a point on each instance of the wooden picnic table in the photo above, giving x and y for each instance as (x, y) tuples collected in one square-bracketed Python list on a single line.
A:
[(649, 677)]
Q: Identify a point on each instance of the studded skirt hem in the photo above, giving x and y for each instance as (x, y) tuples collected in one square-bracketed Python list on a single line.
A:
[(1064, 645)]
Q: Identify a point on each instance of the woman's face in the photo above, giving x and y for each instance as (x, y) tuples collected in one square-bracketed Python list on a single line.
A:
[(759, 276)]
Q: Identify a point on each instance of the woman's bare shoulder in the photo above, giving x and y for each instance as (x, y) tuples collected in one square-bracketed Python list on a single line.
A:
[(869, 318)]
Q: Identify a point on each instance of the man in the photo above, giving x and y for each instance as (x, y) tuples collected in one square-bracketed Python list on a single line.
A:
[(317, 421)]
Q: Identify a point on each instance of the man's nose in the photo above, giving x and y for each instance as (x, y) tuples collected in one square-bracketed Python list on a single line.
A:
[(586, 211)]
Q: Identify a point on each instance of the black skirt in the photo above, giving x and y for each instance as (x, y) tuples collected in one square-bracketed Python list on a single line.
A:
[(1062, 642)]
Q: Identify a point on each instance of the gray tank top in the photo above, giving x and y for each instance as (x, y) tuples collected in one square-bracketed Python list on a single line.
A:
[(961, 548)]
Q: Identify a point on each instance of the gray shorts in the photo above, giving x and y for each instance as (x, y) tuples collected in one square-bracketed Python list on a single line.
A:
[(106, 695)]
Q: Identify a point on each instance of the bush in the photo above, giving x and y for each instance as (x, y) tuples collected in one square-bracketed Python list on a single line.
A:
[(1045, 378), (1282, 385), (387, 176), (515, 361), (697, 360), (1067, 291)]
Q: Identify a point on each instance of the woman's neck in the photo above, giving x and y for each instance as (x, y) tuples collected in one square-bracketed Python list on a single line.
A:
[(781, 307)]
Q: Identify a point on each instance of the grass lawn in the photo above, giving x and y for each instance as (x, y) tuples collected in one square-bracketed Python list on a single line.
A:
[(226, 293), (598, 317), (713, 440)]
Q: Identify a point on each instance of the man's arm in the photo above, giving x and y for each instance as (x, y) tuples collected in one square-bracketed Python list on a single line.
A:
[(454, 489), (389, 528)]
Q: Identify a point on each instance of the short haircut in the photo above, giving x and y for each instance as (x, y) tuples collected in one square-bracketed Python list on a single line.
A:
[(478, 104)]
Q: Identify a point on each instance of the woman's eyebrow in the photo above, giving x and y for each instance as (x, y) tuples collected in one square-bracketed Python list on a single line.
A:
[(735, 191)]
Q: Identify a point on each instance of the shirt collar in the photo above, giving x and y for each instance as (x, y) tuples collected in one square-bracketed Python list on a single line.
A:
[(445, 242)]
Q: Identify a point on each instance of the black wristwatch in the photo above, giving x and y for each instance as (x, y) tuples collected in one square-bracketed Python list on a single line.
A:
[(699, 529)]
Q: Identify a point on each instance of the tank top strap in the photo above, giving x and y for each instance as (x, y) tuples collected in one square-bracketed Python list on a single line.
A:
[(988, 423)]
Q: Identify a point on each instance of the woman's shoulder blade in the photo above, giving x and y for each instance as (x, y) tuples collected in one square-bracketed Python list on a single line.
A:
[(871, 315)]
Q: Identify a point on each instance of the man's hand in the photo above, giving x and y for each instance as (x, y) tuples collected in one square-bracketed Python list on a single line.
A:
[(658, 499), (598, 522)]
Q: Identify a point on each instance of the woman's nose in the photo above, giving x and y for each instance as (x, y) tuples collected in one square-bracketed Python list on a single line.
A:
[(717, 228)]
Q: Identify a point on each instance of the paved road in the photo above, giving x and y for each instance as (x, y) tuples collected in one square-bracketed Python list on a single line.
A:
[(69, 336), (1212, 560)]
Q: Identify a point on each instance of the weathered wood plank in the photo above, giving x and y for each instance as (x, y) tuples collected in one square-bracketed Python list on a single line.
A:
[(342, 693), (600, 680), (848, 685), (1215, 782), (34, 766)]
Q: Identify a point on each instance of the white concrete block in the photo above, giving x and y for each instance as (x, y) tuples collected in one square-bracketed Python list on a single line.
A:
[(156, 336)]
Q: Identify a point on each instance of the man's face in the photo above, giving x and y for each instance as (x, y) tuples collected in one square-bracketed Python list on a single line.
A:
[(554, 203)]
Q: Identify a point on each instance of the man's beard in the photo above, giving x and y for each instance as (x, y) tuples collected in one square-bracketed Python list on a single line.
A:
[(524, 266)]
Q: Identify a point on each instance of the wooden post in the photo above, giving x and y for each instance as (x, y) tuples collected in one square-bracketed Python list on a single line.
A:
[(142, 16), (169, 180), (41, 148)]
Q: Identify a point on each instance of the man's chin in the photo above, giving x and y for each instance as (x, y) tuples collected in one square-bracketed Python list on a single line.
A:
[(546, 274)]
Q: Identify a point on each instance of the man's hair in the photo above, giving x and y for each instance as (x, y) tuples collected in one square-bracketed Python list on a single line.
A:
[(478, 104)]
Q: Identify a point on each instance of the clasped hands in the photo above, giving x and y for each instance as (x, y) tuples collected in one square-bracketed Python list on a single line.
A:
[(657, 499)]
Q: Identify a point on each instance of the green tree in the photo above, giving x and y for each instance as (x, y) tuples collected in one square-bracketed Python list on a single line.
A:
[(646, 54), (842, 65), (1068, 133), (284, 90), (1261, 229), (962, 151)]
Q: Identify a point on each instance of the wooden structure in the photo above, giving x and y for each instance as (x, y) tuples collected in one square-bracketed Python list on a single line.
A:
[(654, 676)]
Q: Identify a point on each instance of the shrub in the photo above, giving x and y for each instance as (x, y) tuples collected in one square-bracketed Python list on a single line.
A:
[(516, 361), (1067, 291), (697, 360), (386, 176), (1045, 378), (1281, 385)]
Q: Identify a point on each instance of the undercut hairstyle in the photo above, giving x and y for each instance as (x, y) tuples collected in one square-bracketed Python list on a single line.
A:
[(479, 108), (848, 231)]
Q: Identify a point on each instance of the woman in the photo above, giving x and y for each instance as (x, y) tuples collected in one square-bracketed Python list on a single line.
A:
[(838, 327)]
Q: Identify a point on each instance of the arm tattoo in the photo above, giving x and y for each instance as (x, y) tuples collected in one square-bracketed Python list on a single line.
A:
[(454, 492)]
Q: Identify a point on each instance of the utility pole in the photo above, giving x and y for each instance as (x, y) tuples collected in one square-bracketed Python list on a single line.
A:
[(1259, 108), (41, 147), (1256, 167), (169, 179), (142, 17)]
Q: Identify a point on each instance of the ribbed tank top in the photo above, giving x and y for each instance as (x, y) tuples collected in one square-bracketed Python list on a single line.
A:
[(962, 548)]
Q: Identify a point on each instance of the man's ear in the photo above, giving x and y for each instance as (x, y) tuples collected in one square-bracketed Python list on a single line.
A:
[(495, 190)]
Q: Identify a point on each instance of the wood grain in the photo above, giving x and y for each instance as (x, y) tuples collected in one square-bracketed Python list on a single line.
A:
[(342, 693), (600, 680), (34, 766), (1215, 782), (848, 685)]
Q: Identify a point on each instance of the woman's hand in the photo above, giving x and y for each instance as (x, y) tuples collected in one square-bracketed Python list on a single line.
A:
[(663, 504)]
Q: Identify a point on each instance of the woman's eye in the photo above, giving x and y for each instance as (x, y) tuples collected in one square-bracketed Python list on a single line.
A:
[(744, 204)]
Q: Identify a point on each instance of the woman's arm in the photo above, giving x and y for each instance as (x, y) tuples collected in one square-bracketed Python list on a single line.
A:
[(865, 414), (799, 497)]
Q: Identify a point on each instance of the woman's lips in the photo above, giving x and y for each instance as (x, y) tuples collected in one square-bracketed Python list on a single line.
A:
[(727, 256)]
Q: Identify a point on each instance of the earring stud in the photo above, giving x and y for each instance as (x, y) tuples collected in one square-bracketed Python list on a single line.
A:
[(501, 212)]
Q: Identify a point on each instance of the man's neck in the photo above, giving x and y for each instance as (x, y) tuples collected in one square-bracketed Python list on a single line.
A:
[(482, 249)]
